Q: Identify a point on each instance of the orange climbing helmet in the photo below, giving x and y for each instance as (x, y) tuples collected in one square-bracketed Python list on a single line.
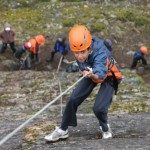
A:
[(144, 49), (40, 39), (80, 38)]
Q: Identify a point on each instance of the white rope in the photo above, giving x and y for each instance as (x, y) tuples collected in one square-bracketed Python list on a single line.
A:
[(39, 112), (60, 61), (59, 84), (61, 107)]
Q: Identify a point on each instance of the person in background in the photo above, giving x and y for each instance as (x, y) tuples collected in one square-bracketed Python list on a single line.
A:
[(61, 47), (23, 55), (31, 49), (92, 57), (139, 56), (7, 36)]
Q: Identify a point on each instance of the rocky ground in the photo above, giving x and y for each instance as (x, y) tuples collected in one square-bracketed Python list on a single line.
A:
[(23, 96), (24, 92), (131, 131)]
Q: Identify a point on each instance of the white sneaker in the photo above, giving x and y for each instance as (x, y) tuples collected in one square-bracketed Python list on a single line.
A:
[(107, 134), (56, 135)]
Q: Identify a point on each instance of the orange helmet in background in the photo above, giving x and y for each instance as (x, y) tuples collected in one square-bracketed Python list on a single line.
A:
[(80, 38), (40, 39), (144, 49)]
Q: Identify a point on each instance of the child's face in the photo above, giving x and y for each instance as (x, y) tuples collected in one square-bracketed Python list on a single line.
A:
[(81, 56)]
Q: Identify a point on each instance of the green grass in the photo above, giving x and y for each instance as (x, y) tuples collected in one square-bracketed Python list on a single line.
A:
[(98, 27), (130, 106), (133, 15)]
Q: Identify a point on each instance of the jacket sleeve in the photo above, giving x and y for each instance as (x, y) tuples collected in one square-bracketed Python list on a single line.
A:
[(137, 55), (100, 64), (13, 34)]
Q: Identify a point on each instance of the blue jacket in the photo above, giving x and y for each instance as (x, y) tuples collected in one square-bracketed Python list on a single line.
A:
[(108, 45), (60, 47), (97, 60), (138, 55)]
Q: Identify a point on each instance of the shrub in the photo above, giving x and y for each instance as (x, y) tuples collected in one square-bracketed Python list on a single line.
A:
[(68, 22), (142, 20), (138, 18), (98, 27), (125, 15)]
